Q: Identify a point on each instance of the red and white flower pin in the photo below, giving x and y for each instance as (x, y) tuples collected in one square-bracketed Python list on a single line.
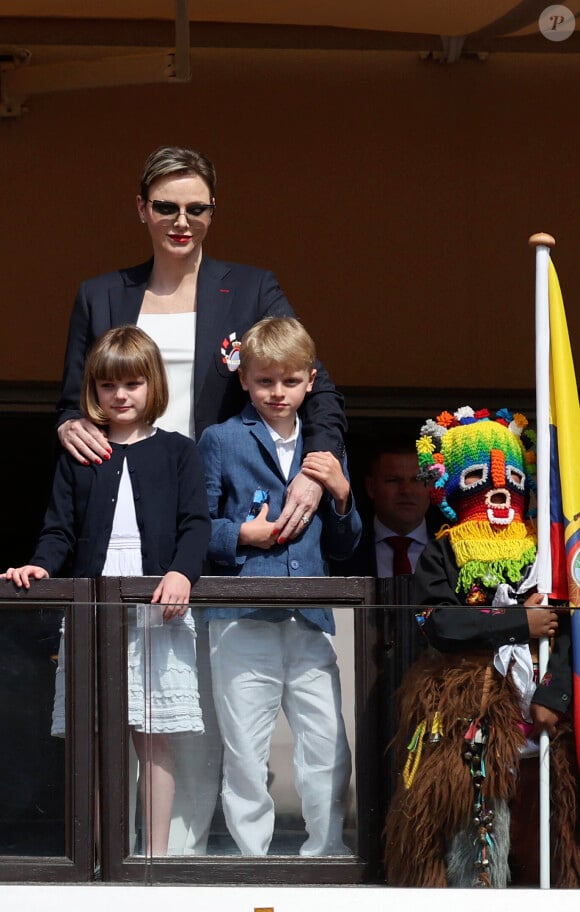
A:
[(231, 352)]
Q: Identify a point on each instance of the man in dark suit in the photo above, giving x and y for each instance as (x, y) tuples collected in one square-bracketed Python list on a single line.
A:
[(395, 536)]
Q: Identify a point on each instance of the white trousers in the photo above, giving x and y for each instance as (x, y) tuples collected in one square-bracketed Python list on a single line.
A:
[(198, 760), (257, 668)]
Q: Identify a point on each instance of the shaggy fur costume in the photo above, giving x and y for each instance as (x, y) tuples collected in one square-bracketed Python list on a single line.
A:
[(429, 825)]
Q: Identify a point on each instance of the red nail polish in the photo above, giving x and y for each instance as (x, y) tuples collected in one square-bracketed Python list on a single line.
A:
[(86, 462), (99, 461), (107, 456), (275, 532), (281, 541)]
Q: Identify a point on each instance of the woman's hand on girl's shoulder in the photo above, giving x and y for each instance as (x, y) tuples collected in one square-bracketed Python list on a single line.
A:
[(84, 441)]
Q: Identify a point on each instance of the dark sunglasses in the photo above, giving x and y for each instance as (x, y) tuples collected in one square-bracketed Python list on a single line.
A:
[(173, 210)]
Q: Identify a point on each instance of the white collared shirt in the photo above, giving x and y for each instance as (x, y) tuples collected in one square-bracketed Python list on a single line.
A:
[(384, 553), (285, 448)]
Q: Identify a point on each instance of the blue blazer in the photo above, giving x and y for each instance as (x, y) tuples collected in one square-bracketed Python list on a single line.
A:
[(230, 299), (240, 457)]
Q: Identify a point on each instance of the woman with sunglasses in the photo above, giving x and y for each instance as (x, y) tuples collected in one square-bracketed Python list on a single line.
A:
[(197, 310)]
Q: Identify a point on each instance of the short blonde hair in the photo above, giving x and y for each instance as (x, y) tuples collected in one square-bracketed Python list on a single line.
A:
[(282, 340), (171, 161), (119, 354)]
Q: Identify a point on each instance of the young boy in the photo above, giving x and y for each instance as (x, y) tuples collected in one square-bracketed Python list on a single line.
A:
[(264, 659)]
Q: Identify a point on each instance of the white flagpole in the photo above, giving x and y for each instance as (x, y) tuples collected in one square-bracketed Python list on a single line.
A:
[(543, 243)]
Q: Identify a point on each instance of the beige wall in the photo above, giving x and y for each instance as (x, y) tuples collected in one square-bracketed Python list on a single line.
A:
[(392, 197)]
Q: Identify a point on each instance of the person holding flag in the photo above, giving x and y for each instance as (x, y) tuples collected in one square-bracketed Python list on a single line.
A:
[(465, 811)]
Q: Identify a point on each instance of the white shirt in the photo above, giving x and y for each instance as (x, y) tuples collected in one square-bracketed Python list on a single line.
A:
[(285, 448), (174, 333), (385, 554)]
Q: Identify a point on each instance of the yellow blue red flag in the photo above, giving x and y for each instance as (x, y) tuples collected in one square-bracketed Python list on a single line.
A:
[(565, 475)]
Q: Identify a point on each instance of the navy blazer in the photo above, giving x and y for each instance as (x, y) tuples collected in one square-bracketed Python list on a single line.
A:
[(230, 299), (167, 479), (240, 457)]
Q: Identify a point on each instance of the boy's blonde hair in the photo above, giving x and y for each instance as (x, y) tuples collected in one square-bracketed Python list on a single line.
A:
[(282, 340), (120, 354)]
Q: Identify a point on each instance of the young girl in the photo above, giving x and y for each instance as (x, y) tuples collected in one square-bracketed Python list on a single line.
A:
[(142, 510)]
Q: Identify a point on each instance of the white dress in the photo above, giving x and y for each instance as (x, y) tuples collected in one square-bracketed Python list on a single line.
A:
[(175, 336), (161, 655)]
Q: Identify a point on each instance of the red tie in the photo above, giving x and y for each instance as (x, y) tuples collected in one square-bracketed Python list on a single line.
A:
[(400, 545)]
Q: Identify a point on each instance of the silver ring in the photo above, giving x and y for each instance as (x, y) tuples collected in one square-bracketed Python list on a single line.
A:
[(305, 519)]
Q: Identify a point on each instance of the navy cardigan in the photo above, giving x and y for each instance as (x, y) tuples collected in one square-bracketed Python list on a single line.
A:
[(170, 502)]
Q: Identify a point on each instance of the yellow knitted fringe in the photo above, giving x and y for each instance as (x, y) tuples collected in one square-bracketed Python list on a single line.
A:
[(480, 541)]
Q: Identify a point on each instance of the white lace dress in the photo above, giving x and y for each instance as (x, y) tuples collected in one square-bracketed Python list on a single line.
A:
[(162, 683)]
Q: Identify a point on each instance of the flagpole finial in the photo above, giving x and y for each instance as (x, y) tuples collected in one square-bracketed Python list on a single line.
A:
[(542, 240)]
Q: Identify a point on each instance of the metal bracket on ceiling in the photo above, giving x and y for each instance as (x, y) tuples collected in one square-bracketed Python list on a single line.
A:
[(452, 51), (182, 62), (452, 47), (11, 59), (139, 68)]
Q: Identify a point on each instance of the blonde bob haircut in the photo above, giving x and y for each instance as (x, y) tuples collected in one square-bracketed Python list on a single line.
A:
[(124, 353), (278, 340)]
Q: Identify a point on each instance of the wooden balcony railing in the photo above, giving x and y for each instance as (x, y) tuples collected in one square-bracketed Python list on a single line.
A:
[(95, 612)]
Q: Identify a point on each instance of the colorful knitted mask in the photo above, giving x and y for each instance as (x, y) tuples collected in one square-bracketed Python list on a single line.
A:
[(479, 467), (481, 475)]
